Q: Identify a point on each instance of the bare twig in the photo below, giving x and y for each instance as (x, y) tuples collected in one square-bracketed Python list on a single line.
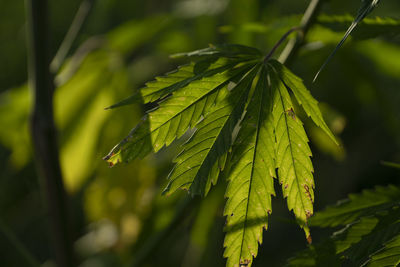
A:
[(306, 21), (73, 31), (43, 131)]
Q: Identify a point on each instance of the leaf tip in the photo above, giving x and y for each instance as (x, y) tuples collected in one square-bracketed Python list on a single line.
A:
[(316, 76), (113, 158), (309, 239), (244, 263)]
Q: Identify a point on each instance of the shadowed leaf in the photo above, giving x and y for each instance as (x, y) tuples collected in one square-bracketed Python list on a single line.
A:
[(203, 156)]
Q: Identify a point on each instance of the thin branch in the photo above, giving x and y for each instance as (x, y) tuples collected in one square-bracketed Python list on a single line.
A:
[(77, 58), (306, 21), (43, 131), (76, 25)]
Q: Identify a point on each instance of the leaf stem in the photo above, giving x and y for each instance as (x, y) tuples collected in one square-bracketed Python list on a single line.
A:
[(308, 18), (283, 38), (73, 31)]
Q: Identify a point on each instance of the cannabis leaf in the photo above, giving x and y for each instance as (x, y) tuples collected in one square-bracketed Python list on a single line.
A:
[(303, 96), (366, 203), (389, 255), (251, 178), (245, 126), (370, 236), (192, 96), (203, 156), (366, 7)]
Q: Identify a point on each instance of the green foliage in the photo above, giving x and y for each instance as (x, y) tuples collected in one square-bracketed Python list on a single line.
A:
[(366, 7), (358, 205), (145, 228), (251, 178), (244, 122), (370, 236), (367, 28), (389, 255)]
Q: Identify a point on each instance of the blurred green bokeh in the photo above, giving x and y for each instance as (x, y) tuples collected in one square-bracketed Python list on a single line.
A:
[(119, 216)]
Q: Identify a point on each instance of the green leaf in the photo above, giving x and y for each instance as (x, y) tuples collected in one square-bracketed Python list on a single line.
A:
[(292, 154), (251, 178), (303, 96), (183, 76), (370, 234), (366, 7), (368, 28), (358, 205), (388, 256), (245, 123), (354, 244), (175, 115), (204, 155)]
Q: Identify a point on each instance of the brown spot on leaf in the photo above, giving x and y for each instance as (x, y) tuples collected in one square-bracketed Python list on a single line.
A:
[(269, 212), (309, 239), (308, 214), (286, 186), (244, 263), (291, 113), (308, 192)]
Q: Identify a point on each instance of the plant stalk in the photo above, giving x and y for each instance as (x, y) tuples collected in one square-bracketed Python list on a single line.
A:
[(43, 132), (307, 20)]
